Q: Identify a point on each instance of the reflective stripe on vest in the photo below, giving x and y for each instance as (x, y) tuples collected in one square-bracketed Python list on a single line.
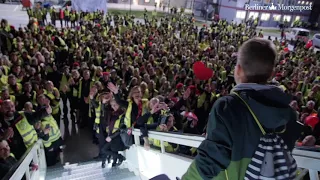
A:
[(80, 87), (34, 99), (127, 119), (98, 115), (27, 131), (54, 133), (116, 124), (74, 92)]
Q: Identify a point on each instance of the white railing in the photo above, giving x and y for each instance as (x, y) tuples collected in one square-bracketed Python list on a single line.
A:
[(307, 160), (37, 156)]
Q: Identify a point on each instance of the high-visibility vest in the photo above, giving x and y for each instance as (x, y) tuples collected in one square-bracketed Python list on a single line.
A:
[(63, 82), (73, 47), (30, 12), (6, 70), (80, 87), (99, 60), (38, 15), (168, 147), (127, 119), (54, 133), (117, 124), (12, 98), (44, 11), (11, 91), (75, 91), (98, 115), (72, 17), (26, 131), (55, 102), (34, 99), (87, 50), (66, 12), (224, 75)]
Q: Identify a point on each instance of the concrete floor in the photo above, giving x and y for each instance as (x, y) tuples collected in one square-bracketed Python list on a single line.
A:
[(79, 146)]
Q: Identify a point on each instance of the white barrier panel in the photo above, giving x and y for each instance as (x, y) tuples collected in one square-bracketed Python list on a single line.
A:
[(37, 156), (150, 163)]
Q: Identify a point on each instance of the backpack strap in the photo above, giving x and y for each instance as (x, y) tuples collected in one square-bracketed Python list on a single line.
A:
[(251, 112)]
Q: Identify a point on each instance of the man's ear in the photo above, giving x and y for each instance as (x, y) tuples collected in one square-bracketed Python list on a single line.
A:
[(238, 70), (272, 74)]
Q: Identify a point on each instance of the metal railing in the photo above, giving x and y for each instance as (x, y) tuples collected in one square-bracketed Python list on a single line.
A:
[(308, 161), (34, 155)]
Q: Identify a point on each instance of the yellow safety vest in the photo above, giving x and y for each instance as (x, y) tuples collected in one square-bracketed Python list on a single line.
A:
[(55, 102), (168, 146), (66, 13), (89, 51), (98, 115), (63, 82), (127, 119), (80, 87), (11, 91), (224, 75), (27, 131), (54, 133), (72, 17), (116, 124), (3, 81)]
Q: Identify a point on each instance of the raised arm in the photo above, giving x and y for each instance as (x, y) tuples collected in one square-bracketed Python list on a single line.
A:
[(115, 90), (36, 116), (182, 101), (143, 119), (122, 103)]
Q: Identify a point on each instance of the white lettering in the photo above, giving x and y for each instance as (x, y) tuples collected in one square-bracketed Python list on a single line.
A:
[(247, 7), (278, 7)]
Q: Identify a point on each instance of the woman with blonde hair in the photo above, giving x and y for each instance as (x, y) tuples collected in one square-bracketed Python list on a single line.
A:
[(135, 106)]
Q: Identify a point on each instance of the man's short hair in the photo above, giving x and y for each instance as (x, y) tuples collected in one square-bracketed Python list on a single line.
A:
[(257, 59)]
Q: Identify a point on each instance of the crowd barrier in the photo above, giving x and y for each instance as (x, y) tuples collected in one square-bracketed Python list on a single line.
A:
[(150, 163)]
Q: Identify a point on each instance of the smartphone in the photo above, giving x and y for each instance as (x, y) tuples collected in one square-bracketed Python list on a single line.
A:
[(163, 120)]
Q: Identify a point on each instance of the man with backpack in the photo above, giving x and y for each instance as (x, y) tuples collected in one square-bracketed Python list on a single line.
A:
[(252, 131)]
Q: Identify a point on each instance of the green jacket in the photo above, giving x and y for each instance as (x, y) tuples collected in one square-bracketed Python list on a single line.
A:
[(233, 135)]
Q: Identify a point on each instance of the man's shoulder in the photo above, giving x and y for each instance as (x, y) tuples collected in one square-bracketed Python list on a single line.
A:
[(224, 101)]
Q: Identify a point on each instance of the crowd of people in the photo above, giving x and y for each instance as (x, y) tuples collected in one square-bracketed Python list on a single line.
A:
[(118, 73)]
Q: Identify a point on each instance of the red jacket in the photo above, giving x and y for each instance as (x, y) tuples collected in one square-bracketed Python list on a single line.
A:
[(61, 14)]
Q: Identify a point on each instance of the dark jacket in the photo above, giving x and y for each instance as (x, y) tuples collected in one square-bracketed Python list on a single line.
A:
[(16, 143), (6, 165), (105, 111), (233, 135), (124, 104)]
